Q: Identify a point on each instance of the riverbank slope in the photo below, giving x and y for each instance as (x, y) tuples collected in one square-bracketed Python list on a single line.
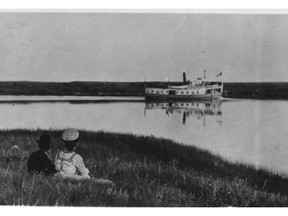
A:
[(147, 172)]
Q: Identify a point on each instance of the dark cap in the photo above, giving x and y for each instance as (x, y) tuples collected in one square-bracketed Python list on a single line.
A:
[(44, 142)]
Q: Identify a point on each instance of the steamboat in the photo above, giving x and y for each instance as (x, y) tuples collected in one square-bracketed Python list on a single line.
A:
[(200, 89)]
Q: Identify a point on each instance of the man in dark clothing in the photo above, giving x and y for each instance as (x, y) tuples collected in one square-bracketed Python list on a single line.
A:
[(38, 161)]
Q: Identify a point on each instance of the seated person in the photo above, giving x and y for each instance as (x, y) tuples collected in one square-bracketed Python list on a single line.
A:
[(69, 164), (38, 162)]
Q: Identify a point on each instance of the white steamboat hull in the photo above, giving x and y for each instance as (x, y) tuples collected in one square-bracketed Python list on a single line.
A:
[(183, 97)]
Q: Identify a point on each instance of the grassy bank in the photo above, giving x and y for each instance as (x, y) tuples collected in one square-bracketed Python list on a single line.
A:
[(276, 90), (147, 172)]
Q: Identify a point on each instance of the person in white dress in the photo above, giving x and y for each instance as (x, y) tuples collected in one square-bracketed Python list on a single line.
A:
[(69, 164)]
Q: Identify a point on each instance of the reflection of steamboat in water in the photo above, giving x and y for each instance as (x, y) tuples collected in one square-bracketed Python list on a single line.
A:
[(198, 109), (195, 90)]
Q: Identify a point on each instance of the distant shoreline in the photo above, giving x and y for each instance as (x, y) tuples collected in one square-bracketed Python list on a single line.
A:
[(65, 99), (265, 90)]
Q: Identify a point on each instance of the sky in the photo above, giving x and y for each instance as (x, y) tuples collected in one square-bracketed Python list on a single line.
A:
[(94, 46)]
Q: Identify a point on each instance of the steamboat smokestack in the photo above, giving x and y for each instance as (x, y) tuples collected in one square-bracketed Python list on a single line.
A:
[(184, 77)]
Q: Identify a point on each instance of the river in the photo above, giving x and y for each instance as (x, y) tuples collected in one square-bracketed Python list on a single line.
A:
[(248, 131)]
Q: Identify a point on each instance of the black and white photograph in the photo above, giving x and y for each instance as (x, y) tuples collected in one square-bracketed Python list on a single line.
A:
[(175, 108)]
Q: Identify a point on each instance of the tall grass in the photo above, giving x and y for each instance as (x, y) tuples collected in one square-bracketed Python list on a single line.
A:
[(147, 172)]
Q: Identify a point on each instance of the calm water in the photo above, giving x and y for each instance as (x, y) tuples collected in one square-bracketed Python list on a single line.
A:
[(250, 131)]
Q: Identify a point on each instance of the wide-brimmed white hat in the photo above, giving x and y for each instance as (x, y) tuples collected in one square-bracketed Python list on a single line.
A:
[(70, 134)]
